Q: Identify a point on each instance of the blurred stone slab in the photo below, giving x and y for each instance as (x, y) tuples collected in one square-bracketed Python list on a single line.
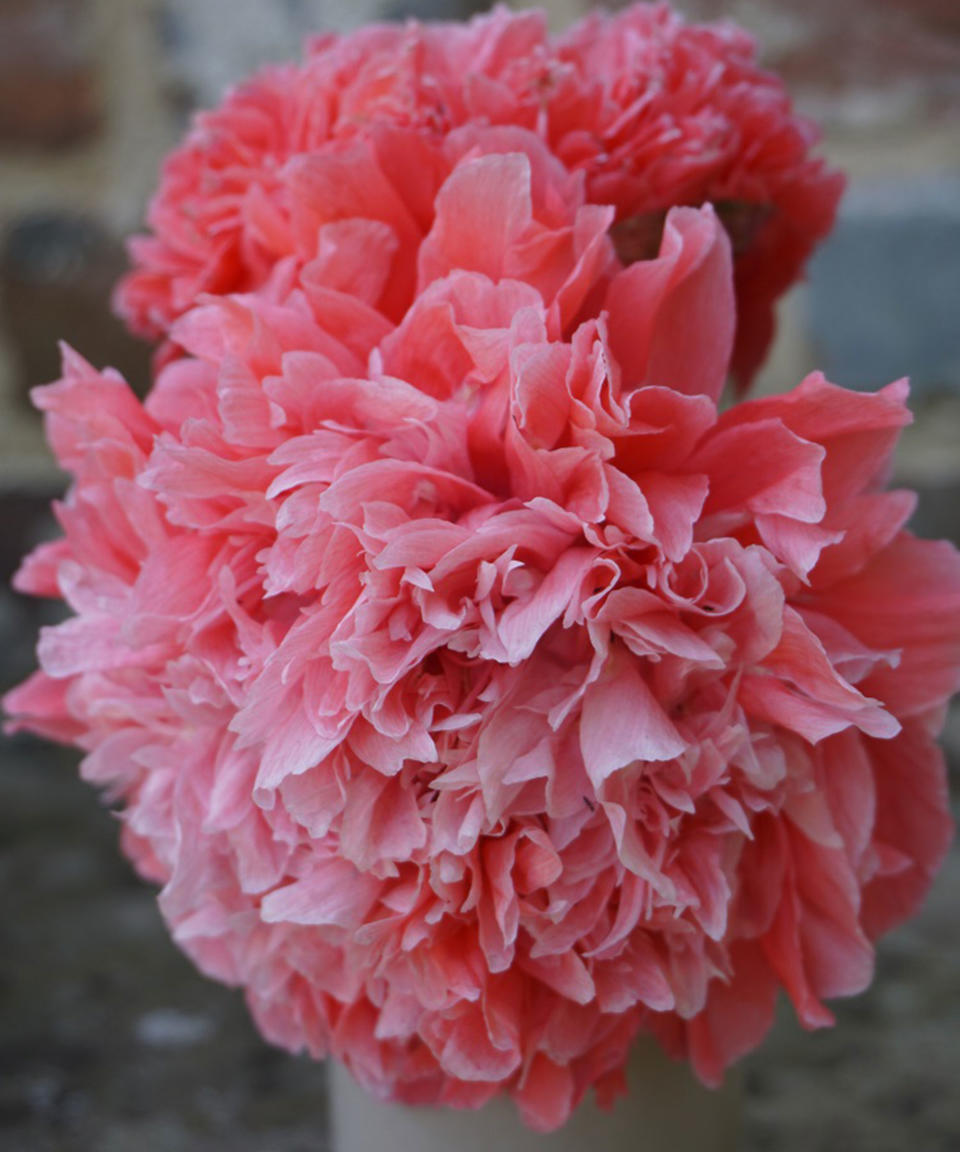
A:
[(27, 520), (49, 95), (57, 271), (855, 62), (928, 461), (110, 1040), (884, 290), (214, 44), (884, 1079)]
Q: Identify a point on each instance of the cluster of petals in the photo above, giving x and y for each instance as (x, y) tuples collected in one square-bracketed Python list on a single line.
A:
[(655, 112), (479, 694)]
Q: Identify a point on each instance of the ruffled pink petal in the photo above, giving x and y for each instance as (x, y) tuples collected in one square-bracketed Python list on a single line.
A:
[(654, 303)]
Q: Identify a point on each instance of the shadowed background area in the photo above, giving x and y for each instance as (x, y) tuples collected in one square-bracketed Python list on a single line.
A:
[(109, 1040)]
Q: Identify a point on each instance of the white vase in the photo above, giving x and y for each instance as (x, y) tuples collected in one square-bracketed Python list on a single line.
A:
[(666, 1110)]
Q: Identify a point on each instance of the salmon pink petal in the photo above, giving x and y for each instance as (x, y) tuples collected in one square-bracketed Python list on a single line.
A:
[(545, 1098), (906, 598), (380, 821), (652, 303), (334, 893), (623, 722), (783, 478), (915, 835), (482, 211)]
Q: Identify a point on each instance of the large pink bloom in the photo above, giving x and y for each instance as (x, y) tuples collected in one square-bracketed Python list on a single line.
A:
[(479, 696), (654, 112)]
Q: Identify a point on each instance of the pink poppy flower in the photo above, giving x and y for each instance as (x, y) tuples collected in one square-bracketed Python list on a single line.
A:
[(654, 112), (479, 695)]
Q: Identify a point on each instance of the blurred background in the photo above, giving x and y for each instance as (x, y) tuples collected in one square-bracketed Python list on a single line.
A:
[(109, 1041)]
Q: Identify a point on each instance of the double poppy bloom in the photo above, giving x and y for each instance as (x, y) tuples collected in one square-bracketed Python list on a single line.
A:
[(479, 694)]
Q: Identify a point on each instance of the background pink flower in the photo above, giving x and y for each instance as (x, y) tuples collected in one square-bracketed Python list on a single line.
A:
[(653, 111)]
